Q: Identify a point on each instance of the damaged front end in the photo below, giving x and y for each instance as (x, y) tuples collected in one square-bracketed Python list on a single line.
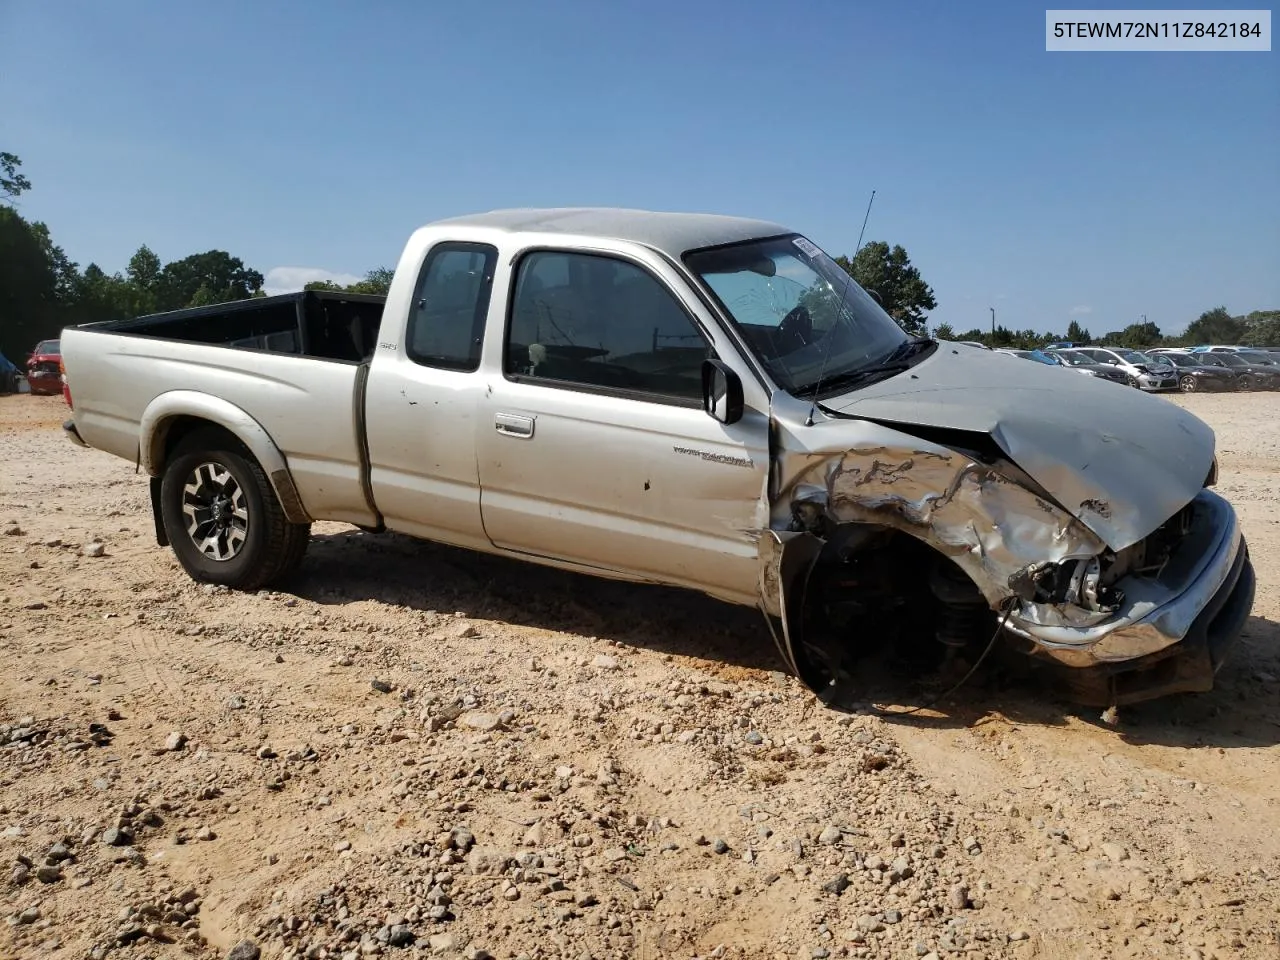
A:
[(879, 528)]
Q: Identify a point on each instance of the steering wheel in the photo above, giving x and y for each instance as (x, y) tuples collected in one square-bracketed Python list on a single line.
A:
[(796, 329)]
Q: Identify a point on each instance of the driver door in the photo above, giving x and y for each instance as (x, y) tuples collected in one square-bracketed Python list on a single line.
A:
[(593, 445)]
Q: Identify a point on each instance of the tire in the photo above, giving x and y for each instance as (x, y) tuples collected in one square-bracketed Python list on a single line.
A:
[(223, 518), (1133, 382), (1187, 384)]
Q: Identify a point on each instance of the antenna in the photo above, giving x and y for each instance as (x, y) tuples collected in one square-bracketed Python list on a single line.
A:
[(864, 222), (826, 354)]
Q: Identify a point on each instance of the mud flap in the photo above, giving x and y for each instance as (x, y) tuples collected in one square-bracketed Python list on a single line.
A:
[(786, 560), (161, 537)]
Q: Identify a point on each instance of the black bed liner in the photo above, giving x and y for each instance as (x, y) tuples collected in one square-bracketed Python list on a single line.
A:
[(321, 324)]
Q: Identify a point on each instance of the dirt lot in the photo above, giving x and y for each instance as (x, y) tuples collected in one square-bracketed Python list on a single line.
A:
[(424, 752)]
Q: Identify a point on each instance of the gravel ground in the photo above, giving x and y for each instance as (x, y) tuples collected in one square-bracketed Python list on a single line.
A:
[(418, 751)]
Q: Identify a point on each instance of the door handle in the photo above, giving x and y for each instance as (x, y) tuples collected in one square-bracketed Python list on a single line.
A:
[(513, 425)]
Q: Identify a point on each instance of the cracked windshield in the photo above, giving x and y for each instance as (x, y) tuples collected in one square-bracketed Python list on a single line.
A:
[(802, 315)]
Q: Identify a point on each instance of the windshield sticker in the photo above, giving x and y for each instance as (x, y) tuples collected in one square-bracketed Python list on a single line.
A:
[(807, 248)]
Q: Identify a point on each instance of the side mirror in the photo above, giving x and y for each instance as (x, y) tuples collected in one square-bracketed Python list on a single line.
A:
[(721, 392)]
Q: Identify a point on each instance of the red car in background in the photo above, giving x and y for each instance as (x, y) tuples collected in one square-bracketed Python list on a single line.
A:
[(44, 368)]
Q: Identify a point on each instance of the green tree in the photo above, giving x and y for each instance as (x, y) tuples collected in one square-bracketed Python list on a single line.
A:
[(376, 282), (1077, 333), (1139, 335), (1215, 326), (144, 273), (221, 276), (28, 285), (888, 273), (943, 331), (12, 183), (1262, 328)]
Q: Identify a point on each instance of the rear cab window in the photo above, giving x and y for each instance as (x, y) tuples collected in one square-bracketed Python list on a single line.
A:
[(450, 302)]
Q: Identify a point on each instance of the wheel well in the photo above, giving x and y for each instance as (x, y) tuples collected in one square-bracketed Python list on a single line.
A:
[(878, 597), (175, 431)]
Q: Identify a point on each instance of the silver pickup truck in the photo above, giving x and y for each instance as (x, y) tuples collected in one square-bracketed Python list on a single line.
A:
[(701, 401)]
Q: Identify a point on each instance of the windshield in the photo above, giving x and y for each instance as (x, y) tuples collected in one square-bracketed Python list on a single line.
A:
[(47, 346), (1132, 356), (803, 317), (1077, 359)]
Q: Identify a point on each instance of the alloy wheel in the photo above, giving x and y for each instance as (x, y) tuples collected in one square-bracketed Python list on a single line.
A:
[(216, 511)]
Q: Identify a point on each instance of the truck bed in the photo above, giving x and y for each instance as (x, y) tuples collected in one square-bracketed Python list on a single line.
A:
[(293, 363), (322, 325)]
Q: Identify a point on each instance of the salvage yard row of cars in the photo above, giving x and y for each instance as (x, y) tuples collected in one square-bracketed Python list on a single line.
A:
[(1212, 368)]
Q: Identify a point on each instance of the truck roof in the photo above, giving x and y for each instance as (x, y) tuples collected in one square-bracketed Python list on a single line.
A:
[(670, 233)]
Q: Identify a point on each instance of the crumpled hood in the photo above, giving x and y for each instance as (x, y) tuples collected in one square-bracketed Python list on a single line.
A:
[(1122, 462)]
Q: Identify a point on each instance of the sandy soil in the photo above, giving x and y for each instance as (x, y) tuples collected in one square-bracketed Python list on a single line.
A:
[(418, 751)]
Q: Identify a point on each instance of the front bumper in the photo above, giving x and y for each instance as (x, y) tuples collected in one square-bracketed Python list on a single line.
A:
[(1169, 637), (1188, 666), (1158, 381)]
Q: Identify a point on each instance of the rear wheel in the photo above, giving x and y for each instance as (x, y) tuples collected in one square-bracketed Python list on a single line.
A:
[(1187, 384), (223, 518)]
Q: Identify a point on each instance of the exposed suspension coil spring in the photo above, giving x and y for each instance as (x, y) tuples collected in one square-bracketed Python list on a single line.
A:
[(962, 613)]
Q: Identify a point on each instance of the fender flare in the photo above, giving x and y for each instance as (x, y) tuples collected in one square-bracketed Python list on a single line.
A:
[(167, 407)]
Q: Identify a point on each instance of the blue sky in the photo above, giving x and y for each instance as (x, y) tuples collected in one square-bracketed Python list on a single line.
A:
[(318, 135)]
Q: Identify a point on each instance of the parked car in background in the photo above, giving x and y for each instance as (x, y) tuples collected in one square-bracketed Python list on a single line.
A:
[(43, 371), (8, 376), (1194, 374), (1083, 363), (1140, 370), (1039, 356), (1260, 357), (1252, 376)]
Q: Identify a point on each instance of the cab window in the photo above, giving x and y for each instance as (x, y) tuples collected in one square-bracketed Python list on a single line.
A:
[(602, 323)]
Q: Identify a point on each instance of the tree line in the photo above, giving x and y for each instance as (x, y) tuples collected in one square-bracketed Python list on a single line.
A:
[(1261, 328), (42, 290)]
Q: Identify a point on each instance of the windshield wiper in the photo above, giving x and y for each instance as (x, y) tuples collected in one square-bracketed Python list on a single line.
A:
[(897, 360)]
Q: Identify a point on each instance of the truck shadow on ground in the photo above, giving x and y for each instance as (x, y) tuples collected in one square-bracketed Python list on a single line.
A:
[(1243, 710), (352, 566)]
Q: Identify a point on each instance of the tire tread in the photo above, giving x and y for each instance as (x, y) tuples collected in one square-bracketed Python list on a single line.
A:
[(284, 543)]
